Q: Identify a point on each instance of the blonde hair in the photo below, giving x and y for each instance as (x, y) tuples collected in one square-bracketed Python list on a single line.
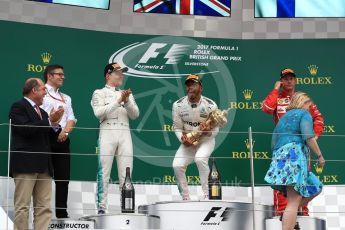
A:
[(298, 100)]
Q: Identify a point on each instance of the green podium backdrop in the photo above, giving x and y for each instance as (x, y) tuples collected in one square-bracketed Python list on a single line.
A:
[(236, 73)]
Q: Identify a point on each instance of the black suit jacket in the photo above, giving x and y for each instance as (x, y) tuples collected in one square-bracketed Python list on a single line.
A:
[(30, 139)]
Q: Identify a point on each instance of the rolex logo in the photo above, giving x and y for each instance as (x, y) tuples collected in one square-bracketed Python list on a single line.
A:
[(46, 57), (247, 142), (313, 69), (39, 68), (248, 94), (247, 103)]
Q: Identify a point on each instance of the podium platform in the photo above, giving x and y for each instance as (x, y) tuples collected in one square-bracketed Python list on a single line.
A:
[(124, 221), (305, 222), (209, 214), (5, 221)]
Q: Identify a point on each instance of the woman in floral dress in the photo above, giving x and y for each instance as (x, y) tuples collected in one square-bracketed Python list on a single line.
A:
[(292, 140)]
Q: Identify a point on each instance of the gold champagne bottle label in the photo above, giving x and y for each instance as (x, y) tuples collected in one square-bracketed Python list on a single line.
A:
[(214, 190)]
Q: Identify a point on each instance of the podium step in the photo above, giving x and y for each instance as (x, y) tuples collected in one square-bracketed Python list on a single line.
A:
[(305, 222), (124, 221), (209, 214)]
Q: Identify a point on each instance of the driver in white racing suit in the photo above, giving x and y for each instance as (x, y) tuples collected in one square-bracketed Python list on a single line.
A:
[(113, 107), (188, 114)]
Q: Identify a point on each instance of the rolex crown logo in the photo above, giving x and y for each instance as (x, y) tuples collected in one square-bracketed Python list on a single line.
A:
[(313, 69), (46, 57), (247, 142), (248, 94)]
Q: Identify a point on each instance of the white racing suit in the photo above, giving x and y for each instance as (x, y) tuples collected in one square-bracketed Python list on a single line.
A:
[(114, 137), (187, 117)]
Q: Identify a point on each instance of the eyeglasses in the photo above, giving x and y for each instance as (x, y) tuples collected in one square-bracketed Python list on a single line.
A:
[(60, 74)]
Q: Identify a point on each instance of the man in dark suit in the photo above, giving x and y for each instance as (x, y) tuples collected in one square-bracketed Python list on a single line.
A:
[(30, 161)]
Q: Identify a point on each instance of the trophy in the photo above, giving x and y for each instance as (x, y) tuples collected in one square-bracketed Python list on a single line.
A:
[(217, 118)]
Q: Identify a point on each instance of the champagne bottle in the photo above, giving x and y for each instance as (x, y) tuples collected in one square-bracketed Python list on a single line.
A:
[(214, 185), (128, 194)]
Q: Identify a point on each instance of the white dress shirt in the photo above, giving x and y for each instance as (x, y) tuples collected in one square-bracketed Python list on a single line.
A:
[(54, 99), (33, 104)]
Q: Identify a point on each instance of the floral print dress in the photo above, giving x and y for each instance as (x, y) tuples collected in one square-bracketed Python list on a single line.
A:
[(290, 156)]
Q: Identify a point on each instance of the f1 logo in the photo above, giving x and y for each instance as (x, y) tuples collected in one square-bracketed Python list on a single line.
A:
[(173, 55), (217, 211)]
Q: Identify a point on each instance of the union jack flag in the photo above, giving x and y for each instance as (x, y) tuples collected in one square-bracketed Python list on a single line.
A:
[(187, 7)]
